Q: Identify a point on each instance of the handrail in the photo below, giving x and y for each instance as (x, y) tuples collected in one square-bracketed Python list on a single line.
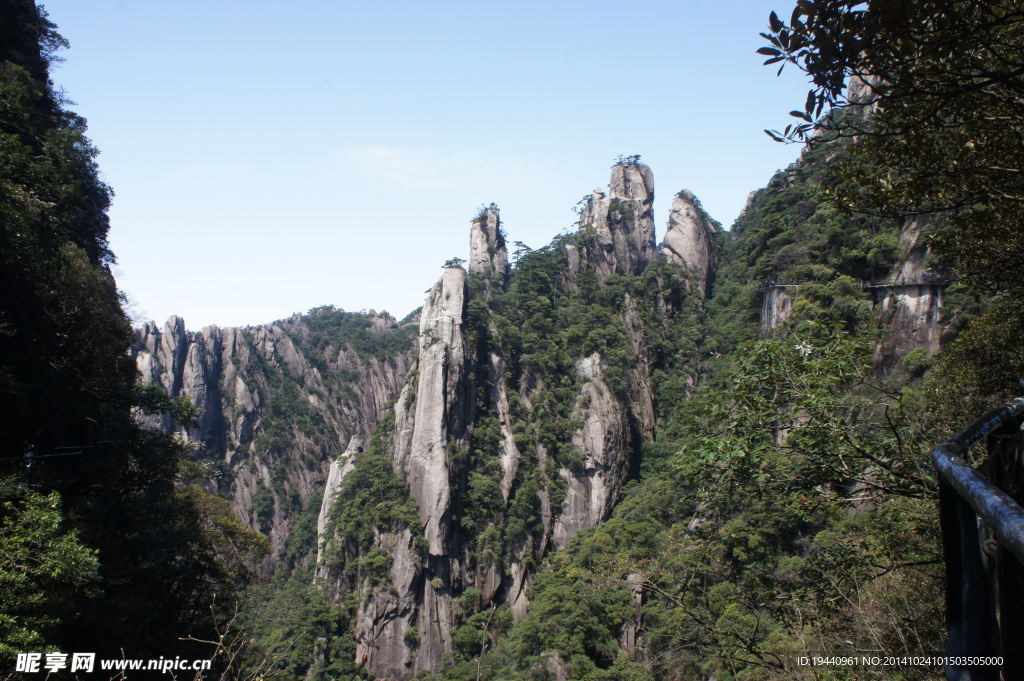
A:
[(36, 457), (995, 507), (984, 578), (62, 467)]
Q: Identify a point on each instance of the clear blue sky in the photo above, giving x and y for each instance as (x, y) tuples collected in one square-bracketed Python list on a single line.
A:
[(269, 157)]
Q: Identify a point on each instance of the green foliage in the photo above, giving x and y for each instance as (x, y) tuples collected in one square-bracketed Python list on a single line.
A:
[(982, 369), (580, 601), (936, 142), (294, 633), (335, 329), (805, 474), (263, 506), (43, 567), (916, 362), (371, 499), (792, 233), (300, 550)]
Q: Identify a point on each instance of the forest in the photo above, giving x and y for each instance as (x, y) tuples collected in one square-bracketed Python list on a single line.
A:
[(603, 460)]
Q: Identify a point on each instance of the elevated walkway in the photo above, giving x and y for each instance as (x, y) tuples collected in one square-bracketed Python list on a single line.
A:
[(926, 279)]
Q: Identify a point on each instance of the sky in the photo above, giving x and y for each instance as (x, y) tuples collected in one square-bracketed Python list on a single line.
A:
[(271, 157)]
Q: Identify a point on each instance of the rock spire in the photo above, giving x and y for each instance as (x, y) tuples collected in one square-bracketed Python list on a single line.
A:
[(619, 225), (688, 238)]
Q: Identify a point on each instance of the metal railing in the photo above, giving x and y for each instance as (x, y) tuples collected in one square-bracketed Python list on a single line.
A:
[(61, 468), (925, 279), (782, 283), (982, 526)]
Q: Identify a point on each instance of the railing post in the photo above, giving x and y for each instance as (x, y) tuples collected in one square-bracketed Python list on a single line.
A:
[(1004, 469), (1011, 614), (949, 523), (984, 605), (969, 612)]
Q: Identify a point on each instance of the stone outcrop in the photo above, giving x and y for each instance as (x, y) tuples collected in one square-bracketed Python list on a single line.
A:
[(910, 307), (487, 252), (688, 238), (235, 375), (776, 307), (603, 439), (433, 421), (384, 615), (911, 314), (442, 408), (433, 436), (618, 225), (340, 467)]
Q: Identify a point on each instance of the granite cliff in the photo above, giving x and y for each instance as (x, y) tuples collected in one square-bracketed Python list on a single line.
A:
[(278, 402), (478, 418)]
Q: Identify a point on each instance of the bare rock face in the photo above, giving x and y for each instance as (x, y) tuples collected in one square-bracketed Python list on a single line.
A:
[(619, 225), (776, 308), (160, 358), (915, 252), (861, 93), (235, 375), (915, 300), (340, 467), (433, 420), (688, 238), (441, 420), (912, 313), (603, 440), (385, 614), (910, 307), (443, 409), (508, 453), (487, 252)]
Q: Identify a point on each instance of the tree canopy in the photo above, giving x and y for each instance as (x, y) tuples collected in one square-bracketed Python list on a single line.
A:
[(933, 92)]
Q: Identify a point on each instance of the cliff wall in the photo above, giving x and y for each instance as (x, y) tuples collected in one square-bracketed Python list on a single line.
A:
[(279, 402)]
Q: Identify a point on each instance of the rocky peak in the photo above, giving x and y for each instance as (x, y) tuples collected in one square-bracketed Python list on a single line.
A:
[(487, 252), (438, 404), (688, 238), (619, 225)]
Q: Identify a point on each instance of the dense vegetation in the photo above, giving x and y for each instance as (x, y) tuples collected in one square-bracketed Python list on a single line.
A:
[(935, 124), (755, 547)]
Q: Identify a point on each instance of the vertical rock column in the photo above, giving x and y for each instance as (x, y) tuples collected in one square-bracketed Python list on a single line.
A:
[(442, 410), (910, 308), (621, 222), (487, 252), (688, 238)]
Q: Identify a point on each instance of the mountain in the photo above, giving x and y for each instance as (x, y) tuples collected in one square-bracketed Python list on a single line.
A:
[(278, 402), (424, 474)]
